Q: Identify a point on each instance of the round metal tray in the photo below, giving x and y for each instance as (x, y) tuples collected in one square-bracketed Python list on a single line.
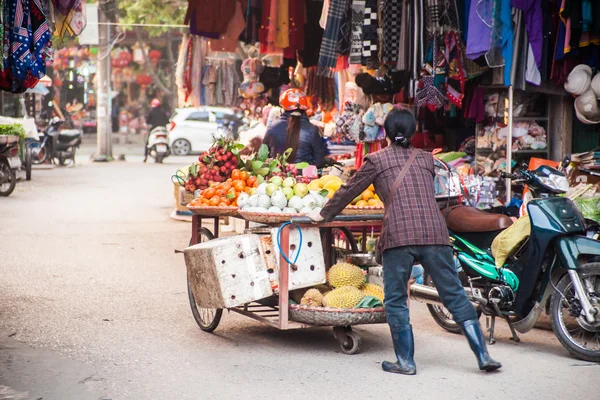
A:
[(325, 316)]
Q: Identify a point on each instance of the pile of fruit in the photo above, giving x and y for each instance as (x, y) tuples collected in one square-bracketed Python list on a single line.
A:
[(280, 195), (214, 166), (345, 288), (368, 198), (226, 194), (330, 183)]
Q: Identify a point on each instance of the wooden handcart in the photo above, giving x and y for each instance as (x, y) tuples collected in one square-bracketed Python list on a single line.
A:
[(276, 311)]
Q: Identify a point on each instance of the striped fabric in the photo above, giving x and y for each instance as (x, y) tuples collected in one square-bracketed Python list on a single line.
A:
[(338, 11)]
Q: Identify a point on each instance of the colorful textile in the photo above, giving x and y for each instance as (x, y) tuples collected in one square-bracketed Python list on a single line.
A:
[(282, 36), (480, 22), (69, 17), (358, 16), (338, 10), (532, 15), (370, 35)]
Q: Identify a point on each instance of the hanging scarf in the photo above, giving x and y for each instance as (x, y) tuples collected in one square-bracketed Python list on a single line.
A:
[(329, 47), (369, 31), (358, 17), (392, 14), (42, 47), (20, 38)]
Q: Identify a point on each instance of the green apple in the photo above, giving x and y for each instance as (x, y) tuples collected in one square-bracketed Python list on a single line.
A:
[(288, 191), (301, 189), (270, 189), (277, 180), (260, 179), (289, 182), (252, 191)]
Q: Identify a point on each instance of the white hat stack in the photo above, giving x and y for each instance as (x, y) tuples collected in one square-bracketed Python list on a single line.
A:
[(587, 91)]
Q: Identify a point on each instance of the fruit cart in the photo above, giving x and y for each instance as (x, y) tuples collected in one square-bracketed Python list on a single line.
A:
[(276, 311)]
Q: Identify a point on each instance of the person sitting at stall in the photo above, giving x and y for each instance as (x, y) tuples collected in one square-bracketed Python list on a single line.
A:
[(414, 231), (293, 130)]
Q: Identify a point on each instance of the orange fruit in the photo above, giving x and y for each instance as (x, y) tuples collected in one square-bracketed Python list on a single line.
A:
[(244, 175), (361, 203), (205, 202), (208, 193), (222, 204), (226, 186), (367, 195), (250, 181), (229, 180), (221, 192), (247, 189), (239, 185), (235, 174), (214, 201)]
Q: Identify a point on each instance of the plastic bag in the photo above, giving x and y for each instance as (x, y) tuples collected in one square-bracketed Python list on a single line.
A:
[(509, 241), (589, 207)]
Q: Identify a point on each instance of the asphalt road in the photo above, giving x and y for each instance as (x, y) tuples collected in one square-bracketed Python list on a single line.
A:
[(93, 305)]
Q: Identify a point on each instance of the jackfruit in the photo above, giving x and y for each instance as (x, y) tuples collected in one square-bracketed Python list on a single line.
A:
[(343, 297), (371, 289), (345, 274), (312, 298)]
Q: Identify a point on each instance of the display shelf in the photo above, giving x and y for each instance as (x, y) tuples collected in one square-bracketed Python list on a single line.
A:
[(521, 119), (531, 151)]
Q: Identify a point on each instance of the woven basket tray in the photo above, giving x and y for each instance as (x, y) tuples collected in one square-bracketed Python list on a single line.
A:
[(267, 218), (353, 210), (214, 211), (324, 316)]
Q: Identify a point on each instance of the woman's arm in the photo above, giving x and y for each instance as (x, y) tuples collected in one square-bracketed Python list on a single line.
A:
[(346, 193)]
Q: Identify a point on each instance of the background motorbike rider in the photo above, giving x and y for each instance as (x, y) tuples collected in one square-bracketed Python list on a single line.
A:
[(414, 231), (156, 117)]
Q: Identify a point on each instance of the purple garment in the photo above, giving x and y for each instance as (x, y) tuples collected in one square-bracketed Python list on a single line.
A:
[(533, 17), (478, 39)]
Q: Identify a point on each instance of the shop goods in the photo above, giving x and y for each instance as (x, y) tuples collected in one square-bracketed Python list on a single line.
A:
[(282, 196), (557, 248), (214, 166), (345, 274), (343, 297), (368, 198), (227, 193), (312, 298), (308, 269), (228, 272), (371, 289)]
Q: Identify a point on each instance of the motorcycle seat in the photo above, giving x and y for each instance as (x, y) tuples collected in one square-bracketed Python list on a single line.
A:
[(70, 133), (462, 218)]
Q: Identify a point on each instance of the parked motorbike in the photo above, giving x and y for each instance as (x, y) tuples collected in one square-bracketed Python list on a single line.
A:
[(9, 164), (56, 145), (556, 270), (158, 144)]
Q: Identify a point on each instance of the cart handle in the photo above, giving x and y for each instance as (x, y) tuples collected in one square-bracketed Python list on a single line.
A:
[(340, 218)]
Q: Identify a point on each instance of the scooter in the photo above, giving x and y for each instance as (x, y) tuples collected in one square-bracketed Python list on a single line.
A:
[(55, 144), (556, 270), (9, 164), (158, 144)]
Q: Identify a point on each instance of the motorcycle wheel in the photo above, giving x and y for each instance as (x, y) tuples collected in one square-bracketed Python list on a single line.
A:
[(578, 336), (159, 158), (7, 188), (28, 161), (39, 153), (440, 314)]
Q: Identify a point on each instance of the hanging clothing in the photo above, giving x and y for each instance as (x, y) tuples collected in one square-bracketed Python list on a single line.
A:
[(338, 10), (402, 64), (324, 14), (229, 40), (507, 40), (69, 17), (392, 15), (253, 20), (358, 16), (480, 22), (309, 56), (209, 16), (282, 36), (370, 34), (533, 17), (297, 20)]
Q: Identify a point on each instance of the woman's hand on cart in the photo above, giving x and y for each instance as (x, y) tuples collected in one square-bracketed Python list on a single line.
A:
[(315, 215)]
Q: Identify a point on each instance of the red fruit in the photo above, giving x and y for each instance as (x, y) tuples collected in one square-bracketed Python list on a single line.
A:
[(223, 170), (229, 155), (218, 179), (198, 181)]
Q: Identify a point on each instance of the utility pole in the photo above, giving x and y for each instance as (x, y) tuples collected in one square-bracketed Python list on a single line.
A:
[(103, 95)]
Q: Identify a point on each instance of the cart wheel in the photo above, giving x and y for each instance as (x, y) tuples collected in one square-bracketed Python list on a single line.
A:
[(349, 340), (207, 318), (343, 243)]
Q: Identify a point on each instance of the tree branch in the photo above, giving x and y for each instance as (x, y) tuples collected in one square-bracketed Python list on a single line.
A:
[(148, 65)]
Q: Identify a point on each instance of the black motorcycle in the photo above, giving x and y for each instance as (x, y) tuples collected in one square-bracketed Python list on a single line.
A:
[(55, 145), (554, 270), (9, 164)]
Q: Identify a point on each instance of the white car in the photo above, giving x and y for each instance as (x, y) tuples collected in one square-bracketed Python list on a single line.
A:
[(193, 130)]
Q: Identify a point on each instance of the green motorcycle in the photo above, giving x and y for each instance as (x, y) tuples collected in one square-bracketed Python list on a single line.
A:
[(556, 270)]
